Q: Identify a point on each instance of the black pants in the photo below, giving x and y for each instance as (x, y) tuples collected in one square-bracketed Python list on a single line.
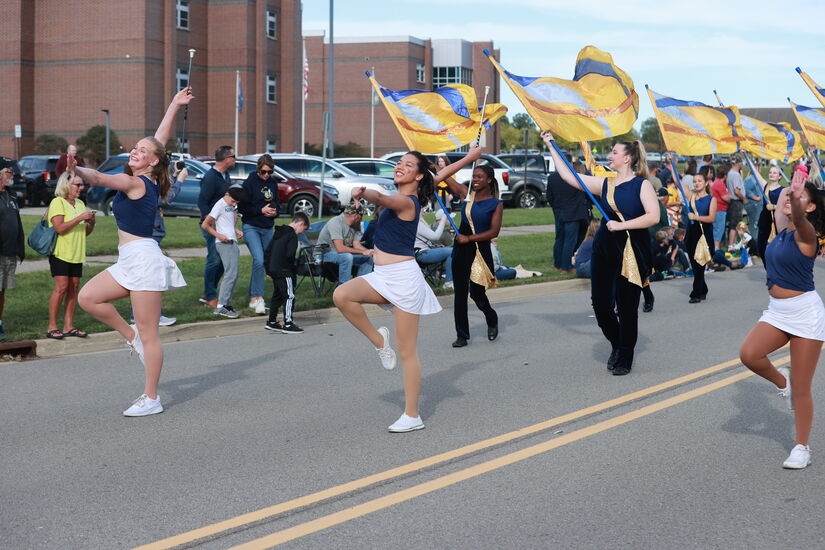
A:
[(648, 293), (463, 256), (695, 231), (282, 295), (616, 305)]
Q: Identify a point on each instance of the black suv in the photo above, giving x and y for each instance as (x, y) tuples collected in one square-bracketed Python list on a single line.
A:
[(39, 171), (20, 185)]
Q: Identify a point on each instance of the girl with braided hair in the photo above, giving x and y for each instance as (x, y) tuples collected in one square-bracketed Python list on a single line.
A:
[(795, 312), (142, 272)]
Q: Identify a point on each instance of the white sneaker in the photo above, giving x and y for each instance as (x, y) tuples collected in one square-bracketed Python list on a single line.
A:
[(785, 393), (448, 285), (799, 458), (387, 354), (167, 321), (260, 307), (144, 406), (136, 345), (406, 424)]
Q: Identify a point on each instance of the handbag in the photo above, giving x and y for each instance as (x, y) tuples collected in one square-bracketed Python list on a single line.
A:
[(43, 238)]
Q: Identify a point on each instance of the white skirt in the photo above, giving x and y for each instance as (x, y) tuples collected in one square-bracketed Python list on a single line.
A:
[(142, 266), (403, 285), (802, 315)]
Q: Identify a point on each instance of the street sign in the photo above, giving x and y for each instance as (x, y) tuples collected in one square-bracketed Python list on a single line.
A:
[(18, 131)]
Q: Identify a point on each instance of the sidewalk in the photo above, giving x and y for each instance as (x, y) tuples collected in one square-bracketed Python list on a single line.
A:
[(177, 254)]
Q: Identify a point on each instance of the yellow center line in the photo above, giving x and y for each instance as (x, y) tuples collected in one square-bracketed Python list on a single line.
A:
[(332, 492), (404, 495)]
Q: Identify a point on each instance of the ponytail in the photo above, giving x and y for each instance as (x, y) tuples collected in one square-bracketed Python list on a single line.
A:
[(638, 157), (426, 187)]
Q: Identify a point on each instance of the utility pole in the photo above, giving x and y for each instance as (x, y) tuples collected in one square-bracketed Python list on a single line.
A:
[(331, 83), (108, 134)]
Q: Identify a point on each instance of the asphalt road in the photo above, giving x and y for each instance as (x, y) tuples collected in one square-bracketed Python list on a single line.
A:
[(561, 454)]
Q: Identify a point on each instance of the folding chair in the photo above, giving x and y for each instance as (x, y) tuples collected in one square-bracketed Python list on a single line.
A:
[(310, 262), (432, 272)]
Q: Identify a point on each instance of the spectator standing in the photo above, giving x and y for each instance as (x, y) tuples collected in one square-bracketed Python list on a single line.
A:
[(279, 259), (73, 222), (665, 174), (674, 205), (736, 190), (342, 234), (653, 178), (687, 177), (428, 252), (259, 208), (213, 187), (11, 235), (707, 159), (753, 207), (719, 191), (60, 167), (570, 209), (221, 223)]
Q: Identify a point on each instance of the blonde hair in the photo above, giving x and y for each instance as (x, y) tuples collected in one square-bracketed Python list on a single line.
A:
[(64, 185), (593, 227), (160, 171), (742, 226)]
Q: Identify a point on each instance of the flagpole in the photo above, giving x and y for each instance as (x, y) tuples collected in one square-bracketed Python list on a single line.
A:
[(304, 97), (578, 179), (372, 117), (237, 106), (807, 137), (667, 147)]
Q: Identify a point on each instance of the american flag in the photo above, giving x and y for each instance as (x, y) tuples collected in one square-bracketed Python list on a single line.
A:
[(306, 74)]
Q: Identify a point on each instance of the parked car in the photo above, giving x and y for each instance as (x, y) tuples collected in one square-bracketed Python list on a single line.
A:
[(39, 171), (536, 162), (299, 195), (369, 167), (21, 186), (342, 178)]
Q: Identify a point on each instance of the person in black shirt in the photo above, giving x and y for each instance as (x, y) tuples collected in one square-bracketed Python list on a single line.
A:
[(258, 209), (213, 187), (279, 260), (11, 236)]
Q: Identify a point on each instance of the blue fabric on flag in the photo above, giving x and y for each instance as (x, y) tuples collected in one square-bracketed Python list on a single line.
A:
[(240, 96)]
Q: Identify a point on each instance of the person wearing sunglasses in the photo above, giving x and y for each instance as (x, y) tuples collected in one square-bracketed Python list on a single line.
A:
[(11, 235), (258, 209), (73, 222)]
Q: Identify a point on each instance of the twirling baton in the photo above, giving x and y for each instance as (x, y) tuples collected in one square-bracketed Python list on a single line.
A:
[(186, 108)]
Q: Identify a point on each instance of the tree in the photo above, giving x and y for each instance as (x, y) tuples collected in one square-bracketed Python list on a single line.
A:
[(50, 144), (651, 136), (92, 145)]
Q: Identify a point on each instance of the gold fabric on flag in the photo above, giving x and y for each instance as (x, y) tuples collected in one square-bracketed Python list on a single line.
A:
[(630, 267), (480, 272)]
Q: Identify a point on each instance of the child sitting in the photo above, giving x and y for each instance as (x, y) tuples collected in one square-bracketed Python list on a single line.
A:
[(740, 247)]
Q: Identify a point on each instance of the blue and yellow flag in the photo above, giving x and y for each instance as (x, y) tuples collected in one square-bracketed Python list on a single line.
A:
[(590, 162), (440, 120), (817, 90), (770, 140), (813, 123), (693, 128), (598, 103)]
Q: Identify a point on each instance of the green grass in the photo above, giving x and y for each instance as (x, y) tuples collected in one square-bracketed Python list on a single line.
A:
[(186, 233), (26, 311)]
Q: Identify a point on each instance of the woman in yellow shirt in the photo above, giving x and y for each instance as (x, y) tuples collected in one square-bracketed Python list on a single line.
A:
[(72, 222)]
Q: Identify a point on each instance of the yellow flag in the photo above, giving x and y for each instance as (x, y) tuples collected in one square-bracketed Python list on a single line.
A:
[(817, 90), (770, 140), (813, 123), (598, 103), (440, 120)]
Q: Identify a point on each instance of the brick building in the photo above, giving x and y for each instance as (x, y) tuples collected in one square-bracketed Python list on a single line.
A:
[(68, 59), (400, 63)]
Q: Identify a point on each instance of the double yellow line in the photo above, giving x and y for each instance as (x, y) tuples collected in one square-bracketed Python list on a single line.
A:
[(456, 477)]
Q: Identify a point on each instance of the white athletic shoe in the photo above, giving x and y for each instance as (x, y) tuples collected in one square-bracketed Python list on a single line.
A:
[(144, 406), (799, 458), (167, 321), (387, 354), (406, 424), (136, 345), (448, 285), (785, 393)]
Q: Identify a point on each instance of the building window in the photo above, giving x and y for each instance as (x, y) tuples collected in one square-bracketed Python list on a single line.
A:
[(451, 75), (271, 89), (182, 14), (271, 24), (419, 73), (181, 79), (271, 145)]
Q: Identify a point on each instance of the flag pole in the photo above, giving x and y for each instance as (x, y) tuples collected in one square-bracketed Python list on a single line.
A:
[(807, 137), (747, 157), (667, 147), (237, 106), (304, 98)]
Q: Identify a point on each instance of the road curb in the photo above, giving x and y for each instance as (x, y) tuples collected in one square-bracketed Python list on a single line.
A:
[(107, 341)]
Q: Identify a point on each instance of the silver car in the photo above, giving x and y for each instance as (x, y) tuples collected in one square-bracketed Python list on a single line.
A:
[(342, 178)]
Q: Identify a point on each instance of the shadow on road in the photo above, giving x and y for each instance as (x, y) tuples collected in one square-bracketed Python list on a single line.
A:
[(760, 413)]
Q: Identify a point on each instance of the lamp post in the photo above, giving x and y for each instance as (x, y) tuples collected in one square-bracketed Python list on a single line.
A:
[(331, 129), (108, 148)]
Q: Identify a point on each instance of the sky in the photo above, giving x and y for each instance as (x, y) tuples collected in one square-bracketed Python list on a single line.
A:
[(746, 50)]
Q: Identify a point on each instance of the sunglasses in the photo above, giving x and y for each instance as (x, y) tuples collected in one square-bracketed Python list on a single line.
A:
[(265, 172), (76, 185)]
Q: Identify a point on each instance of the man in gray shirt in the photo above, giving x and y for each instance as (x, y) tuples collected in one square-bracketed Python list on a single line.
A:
[(343, 236), (736, 190)]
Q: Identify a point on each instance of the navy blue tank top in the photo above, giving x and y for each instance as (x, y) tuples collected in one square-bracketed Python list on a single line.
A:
[(482, 213), (394, 235), (787, 266), (773, 196), (627, 197), (703, 205), (137, 217)]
